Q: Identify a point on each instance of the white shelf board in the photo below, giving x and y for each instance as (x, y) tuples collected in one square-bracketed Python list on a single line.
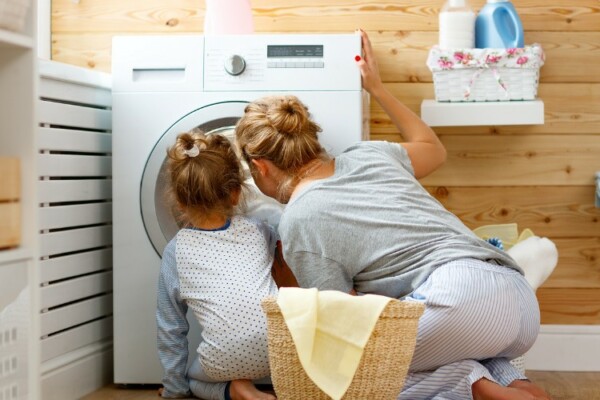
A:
[(71, 73), (14, 39), (483, 113), (14, 255)]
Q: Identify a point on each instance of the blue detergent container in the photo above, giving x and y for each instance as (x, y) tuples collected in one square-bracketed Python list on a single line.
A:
[(498, 26)]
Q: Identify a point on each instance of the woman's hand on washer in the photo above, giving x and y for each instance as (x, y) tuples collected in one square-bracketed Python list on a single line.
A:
[(369, 71)]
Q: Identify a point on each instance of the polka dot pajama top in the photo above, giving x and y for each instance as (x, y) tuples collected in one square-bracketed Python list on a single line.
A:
[(221, 275)]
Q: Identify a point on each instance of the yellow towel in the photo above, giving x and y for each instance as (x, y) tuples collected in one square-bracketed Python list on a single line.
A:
[(330, 330)]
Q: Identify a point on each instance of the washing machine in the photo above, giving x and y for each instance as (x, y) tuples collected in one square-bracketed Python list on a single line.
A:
[(166, 85)]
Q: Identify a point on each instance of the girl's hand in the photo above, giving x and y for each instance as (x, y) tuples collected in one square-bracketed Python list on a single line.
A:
[(371, 80)]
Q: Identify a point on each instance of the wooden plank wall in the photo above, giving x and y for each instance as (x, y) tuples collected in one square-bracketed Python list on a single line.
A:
[(538, 176)]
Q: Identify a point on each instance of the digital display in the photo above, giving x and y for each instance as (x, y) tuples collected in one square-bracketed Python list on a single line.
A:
[(294, 51)]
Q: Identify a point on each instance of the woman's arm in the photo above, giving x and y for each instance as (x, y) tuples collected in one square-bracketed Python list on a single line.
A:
[(425, 150)]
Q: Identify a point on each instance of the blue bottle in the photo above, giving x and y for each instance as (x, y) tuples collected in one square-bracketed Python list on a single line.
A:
[(498, 26)]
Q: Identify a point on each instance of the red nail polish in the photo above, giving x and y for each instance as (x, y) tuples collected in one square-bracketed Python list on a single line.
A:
[(357, 58)]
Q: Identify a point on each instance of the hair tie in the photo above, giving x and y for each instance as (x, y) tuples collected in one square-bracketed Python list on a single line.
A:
[(193, 152)]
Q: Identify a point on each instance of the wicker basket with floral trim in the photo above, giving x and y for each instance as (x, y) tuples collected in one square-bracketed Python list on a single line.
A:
[(461, 75)]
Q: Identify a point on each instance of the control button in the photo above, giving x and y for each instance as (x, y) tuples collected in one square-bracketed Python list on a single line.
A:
[(319, 64), (271, 64), (235, 65)]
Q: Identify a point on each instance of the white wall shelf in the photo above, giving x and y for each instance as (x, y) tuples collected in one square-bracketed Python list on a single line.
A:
[(13, 39), (483, 113)]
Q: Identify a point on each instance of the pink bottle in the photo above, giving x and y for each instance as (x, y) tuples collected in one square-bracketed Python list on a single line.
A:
[(228, 17)]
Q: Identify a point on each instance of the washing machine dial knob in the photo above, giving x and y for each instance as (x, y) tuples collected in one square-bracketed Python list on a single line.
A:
[(235, 65)]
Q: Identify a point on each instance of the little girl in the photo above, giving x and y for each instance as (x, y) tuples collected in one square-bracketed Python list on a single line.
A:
[(219, 265)]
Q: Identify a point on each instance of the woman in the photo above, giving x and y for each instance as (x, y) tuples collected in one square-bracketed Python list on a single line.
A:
[(362, 222)]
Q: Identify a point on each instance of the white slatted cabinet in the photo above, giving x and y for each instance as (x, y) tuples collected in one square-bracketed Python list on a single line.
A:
[(75, 233)]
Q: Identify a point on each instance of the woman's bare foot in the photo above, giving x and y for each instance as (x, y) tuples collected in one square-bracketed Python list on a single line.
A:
[(243, 389), (485, 389), (530, 387)]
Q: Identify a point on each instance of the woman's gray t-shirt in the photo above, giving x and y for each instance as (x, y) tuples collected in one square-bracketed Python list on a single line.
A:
[(372, 227)]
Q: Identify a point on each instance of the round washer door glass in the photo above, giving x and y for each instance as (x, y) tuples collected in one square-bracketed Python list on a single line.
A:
[(160, 216)]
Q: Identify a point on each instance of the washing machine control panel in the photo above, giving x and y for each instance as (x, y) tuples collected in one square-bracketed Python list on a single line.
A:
[(295, 56), (281, 62)]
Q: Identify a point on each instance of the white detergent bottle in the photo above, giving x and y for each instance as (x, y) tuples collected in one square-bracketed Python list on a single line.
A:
[(498, 26), (457, 25)]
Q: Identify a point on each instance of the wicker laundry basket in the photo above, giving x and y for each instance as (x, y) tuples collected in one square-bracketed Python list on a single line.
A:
[(383, 366)]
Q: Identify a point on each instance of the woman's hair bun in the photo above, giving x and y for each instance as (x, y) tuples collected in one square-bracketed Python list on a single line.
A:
[(288, 115)]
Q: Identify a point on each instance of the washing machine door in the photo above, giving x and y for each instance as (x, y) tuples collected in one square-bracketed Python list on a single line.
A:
[(159, 214)]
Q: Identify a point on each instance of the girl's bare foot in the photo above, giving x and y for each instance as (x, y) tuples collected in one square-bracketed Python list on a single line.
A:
[(160, 390), (485, 389), (243, 389), (530, 387)]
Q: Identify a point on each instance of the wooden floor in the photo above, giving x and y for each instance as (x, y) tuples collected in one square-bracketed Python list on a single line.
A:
[(560, 386)]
